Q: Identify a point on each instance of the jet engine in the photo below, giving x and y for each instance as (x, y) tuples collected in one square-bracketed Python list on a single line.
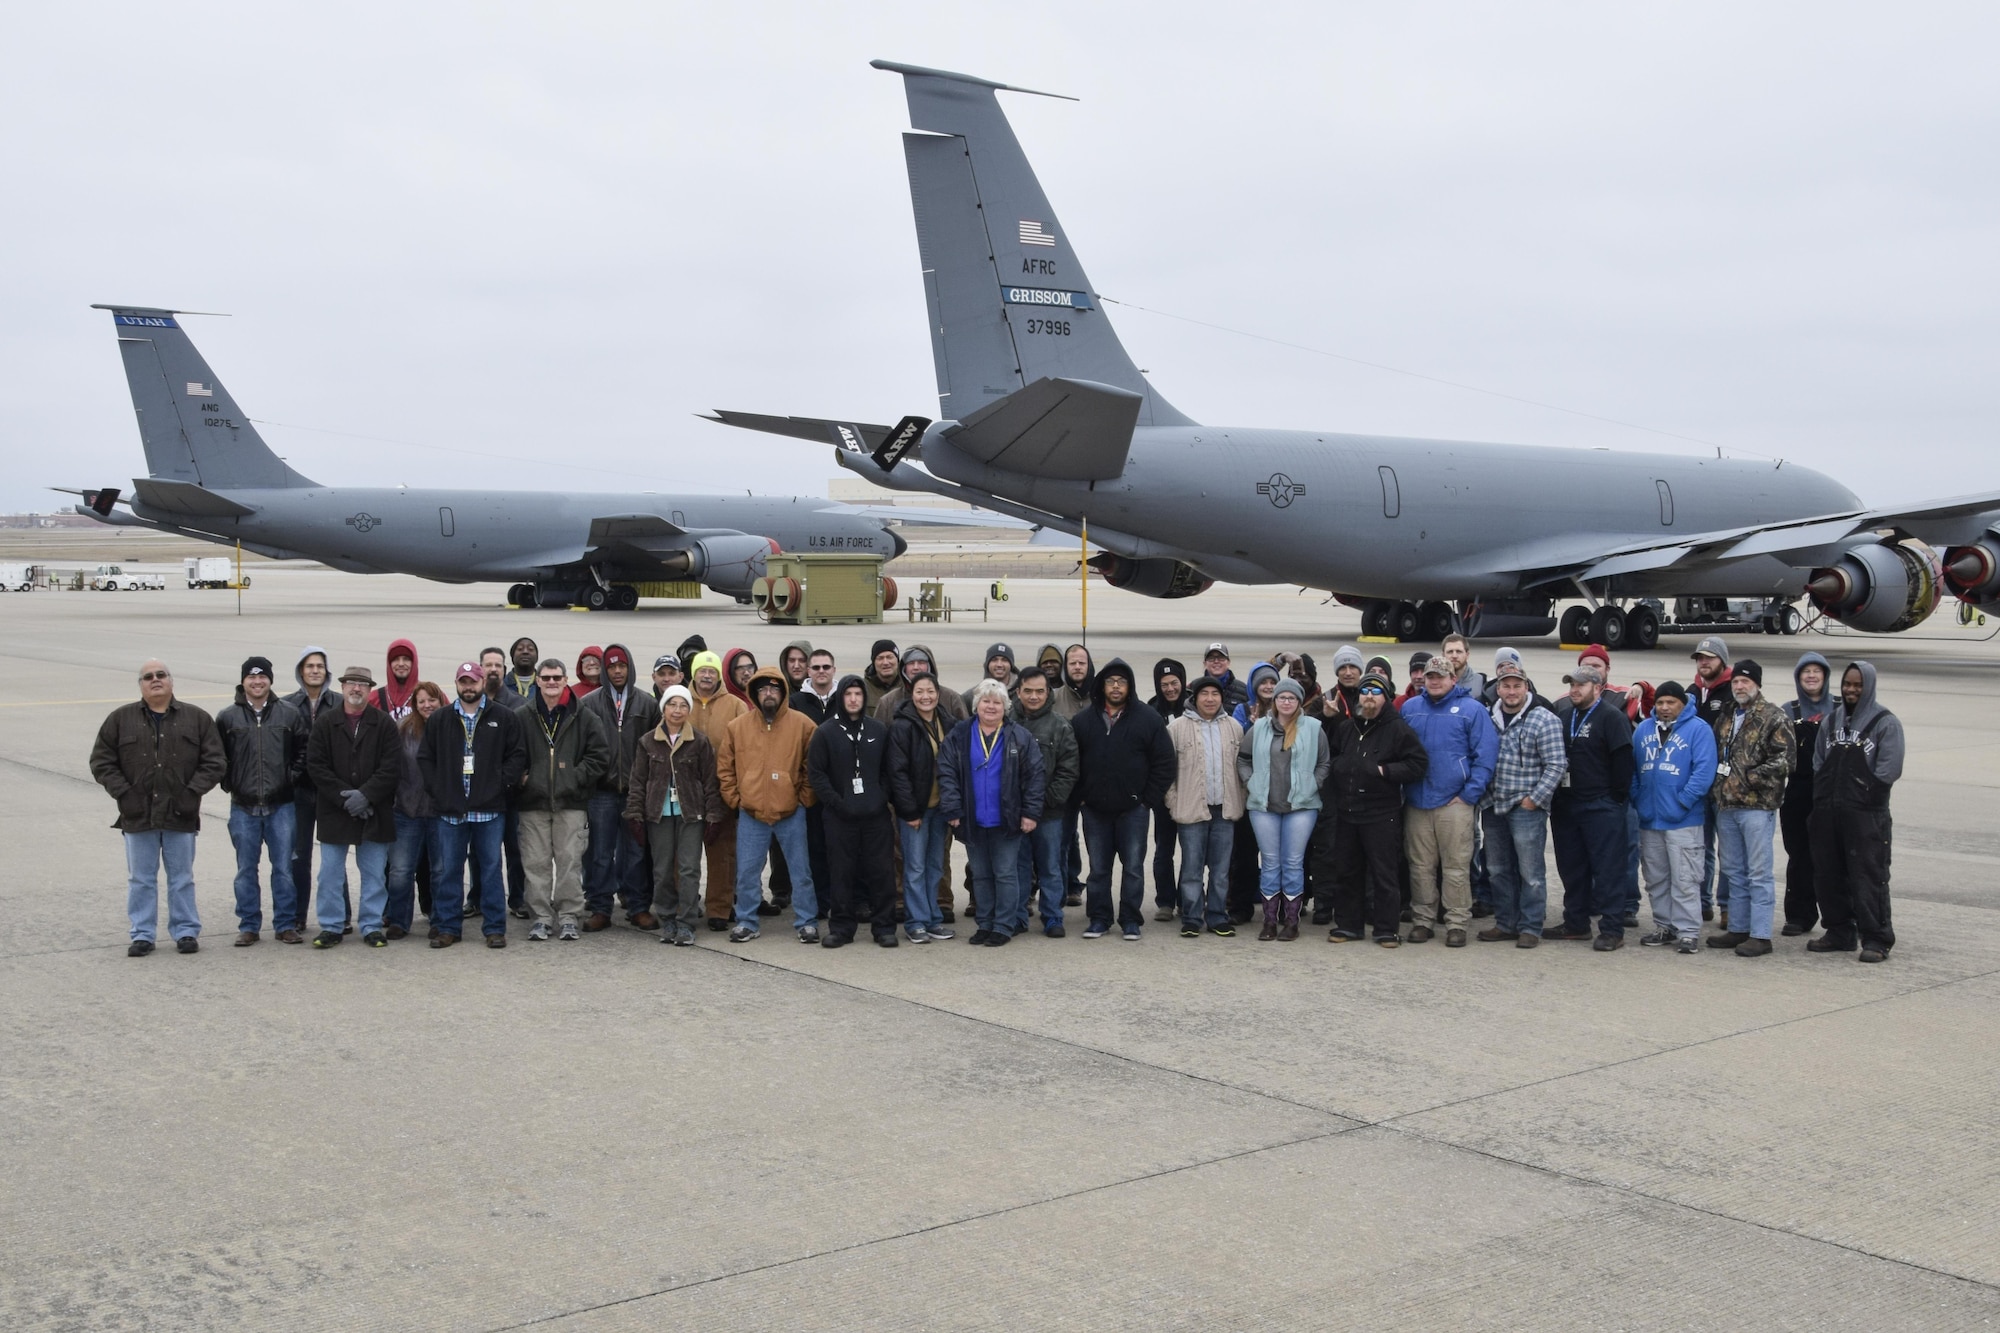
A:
[(1151, 578), (727, 562), (1972, 572), (1882, 589)]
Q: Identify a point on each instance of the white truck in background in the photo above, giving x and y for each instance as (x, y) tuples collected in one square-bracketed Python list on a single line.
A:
[(210, 571), (17, 577), (114, 578)]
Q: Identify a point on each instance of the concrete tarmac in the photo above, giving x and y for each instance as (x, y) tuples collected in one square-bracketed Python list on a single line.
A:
[(1064, 1134)]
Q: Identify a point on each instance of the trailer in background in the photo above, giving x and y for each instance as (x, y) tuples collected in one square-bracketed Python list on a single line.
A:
[(17, 577), (211, 571)]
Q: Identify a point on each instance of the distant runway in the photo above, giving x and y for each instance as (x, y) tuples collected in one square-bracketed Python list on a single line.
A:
[(1201, 1134)]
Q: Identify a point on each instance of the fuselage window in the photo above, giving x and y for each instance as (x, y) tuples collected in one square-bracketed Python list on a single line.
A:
[(1666, 504), (1392, 494), (445, 520)]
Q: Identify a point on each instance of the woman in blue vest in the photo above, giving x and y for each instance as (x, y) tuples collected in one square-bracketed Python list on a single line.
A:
[(1283, 760)]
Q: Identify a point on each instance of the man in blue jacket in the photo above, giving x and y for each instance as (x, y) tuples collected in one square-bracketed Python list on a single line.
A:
[(1442, 809), (1673, 765)]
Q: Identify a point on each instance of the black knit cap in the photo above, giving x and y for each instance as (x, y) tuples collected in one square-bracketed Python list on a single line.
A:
[(255, 666), (882, 646)]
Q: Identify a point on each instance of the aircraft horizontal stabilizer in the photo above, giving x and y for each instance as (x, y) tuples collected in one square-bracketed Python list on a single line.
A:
[(1058, 429), (853, 436), (186, 499)]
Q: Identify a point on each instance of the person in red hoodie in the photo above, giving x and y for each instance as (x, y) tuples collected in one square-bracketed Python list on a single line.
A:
[(589, 671), (394, 695), (738, 665)]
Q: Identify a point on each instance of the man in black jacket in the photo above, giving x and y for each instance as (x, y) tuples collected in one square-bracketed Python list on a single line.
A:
[(264, 741), (614, 866), (1587, 823), (473, 756), (1125, 763), (568, 751), (847, 765), (1375, 753), (356, 759)]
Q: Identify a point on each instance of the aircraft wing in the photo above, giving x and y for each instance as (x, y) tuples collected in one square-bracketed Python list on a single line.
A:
[(1947, 522), (931, 518)]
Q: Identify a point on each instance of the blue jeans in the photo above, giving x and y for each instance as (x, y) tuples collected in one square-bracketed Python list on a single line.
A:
[(305, 822), (416, 837), (144, 855), (252, 834), (613, 864), (1281, 850), (1072, 851), (1743, 840), (923, 863), (372, 859), (1517, 869), (995, 857), (753, 845), (1041, 871), (1206, 845), (1125, 836), (1708, 866), (482, 842)]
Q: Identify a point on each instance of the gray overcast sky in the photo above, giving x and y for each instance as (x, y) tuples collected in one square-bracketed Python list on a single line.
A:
[(515, 233)]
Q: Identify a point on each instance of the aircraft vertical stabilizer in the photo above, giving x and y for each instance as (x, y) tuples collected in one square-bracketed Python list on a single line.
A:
[(192, 430), (1009, 302)]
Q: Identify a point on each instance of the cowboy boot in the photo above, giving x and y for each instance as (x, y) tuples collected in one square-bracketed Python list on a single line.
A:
[(1291, 915), (1270, 930)]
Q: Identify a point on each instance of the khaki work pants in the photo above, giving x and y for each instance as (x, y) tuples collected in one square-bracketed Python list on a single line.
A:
[(552, 846), (1440, 842)]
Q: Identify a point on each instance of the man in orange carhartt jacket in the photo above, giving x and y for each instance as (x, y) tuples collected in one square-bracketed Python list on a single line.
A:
[(760, 764)]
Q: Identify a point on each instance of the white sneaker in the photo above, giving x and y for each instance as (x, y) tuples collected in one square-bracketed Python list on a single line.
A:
[(567, 929), (539, 931)]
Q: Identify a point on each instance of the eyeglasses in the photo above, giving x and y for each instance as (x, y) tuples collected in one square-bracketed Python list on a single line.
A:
[(553, 680), (156, 675), (820, 668), (1372, 689)]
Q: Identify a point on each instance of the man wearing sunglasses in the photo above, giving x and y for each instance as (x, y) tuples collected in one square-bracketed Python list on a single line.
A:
[(157, 757), (1375, 754)]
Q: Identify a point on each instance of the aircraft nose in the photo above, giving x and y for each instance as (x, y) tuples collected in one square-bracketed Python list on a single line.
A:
[(897, 543)]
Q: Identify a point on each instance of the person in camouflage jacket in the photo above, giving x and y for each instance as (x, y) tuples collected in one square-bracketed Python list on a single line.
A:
[(1754, 755)]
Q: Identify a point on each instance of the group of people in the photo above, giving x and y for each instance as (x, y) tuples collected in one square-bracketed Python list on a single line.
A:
[(1397, 814)]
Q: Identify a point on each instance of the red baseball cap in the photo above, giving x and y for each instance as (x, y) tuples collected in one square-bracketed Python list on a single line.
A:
[(470, 671)]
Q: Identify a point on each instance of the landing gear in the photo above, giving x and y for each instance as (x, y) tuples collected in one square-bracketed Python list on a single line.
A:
[(550, 598), (625, 598), (1375, 620), (1437, 620), (1405, 622), (521, 594), (1642, 629), (1574, 625), (596, 598), (1607, 627), (1785, 620)]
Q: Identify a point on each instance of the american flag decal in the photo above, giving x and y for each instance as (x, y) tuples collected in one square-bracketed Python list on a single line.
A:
[(1032, 233)]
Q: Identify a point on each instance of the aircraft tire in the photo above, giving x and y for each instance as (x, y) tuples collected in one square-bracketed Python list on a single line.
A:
[(1405, 622), (625, 597), (597, 599), (1438, 620), (1575, 624), (1607, 627), (1790, 621), (1642, 629), (1375, 620)]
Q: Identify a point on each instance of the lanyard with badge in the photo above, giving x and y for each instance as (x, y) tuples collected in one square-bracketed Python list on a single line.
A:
[(854, 739), (672, 804), (471, 725), (1574, 720), (1729, 745)]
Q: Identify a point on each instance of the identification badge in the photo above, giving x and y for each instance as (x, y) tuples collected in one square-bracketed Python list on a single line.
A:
[(1722, 770), (672, 806), (468, 763), (857, 786), (1565, 780)]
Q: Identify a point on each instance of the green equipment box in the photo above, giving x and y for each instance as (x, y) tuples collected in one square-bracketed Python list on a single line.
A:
[(824, 589)]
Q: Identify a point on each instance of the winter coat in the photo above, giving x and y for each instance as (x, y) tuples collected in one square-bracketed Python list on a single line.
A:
[(760, 765), (642, 714), (568, 752), (499, 758), (1306, 763), (158, 773), (390, 696), (951, 705), (1244, 710), (1672, 772), (1759, 751), (413, 798), (712, 716), (1068, 700), (266, 751), (329, 697), (1187, 799), (1373, 762), (912, 762), (1058, 741), (1860, 750), (1234, 693), (1163, 668), (842, 750), (1129, 763), (689, 768), (1528, 760), (1462, 745), (815, 710), (368, 760), (1807, 713), (1023, 780)]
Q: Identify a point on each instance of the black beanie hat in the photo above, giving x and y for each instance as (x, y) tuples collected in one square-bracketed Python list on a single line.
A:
[(882, 646), (1749, 667), (257, 665), (1673, 689)]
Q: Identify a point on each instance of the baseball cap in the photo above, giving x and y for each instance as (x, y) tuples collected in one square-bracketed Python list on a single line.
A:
[(666, 660), (469, 671), (1216, 650), (1437, 666), (1509, 670), (1712, 646), (1419, 661), (1586, 675)]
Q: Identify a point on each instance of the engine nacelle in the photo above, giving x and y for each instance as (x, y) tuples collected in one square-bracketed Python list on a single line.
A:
[(1972, 572), (726, 562), (1881, 589), (1151, 578)]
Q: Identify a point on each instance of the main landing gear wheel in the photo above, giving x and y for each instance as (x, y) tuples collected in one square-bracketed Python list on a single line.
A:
[(1438, 620), (1375, 620), (1575, 623), (1607, 627), (1642, 629), (625, 597), (521, 594), (1405, 623), (597, 599), (1789, 620)]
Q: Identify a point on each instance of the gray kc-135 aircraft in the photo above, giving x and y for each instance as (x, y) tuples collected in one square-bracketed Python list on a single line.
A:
[(212, 476), (1045, 417)]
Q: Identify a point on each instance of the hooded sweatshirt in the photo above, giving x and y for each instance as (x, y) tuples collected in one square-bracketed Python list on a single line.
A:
[(1859, 753), (1245, 713), (712, 713), (1163, 668), (729, 660), (1459, 737), (624, 716), (951, 706), (392, 696), (805, 648), (329, 697), (1806, 713), (1069, 699), (847, 761), (581, 687), (760, 763), (1123, 763)]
